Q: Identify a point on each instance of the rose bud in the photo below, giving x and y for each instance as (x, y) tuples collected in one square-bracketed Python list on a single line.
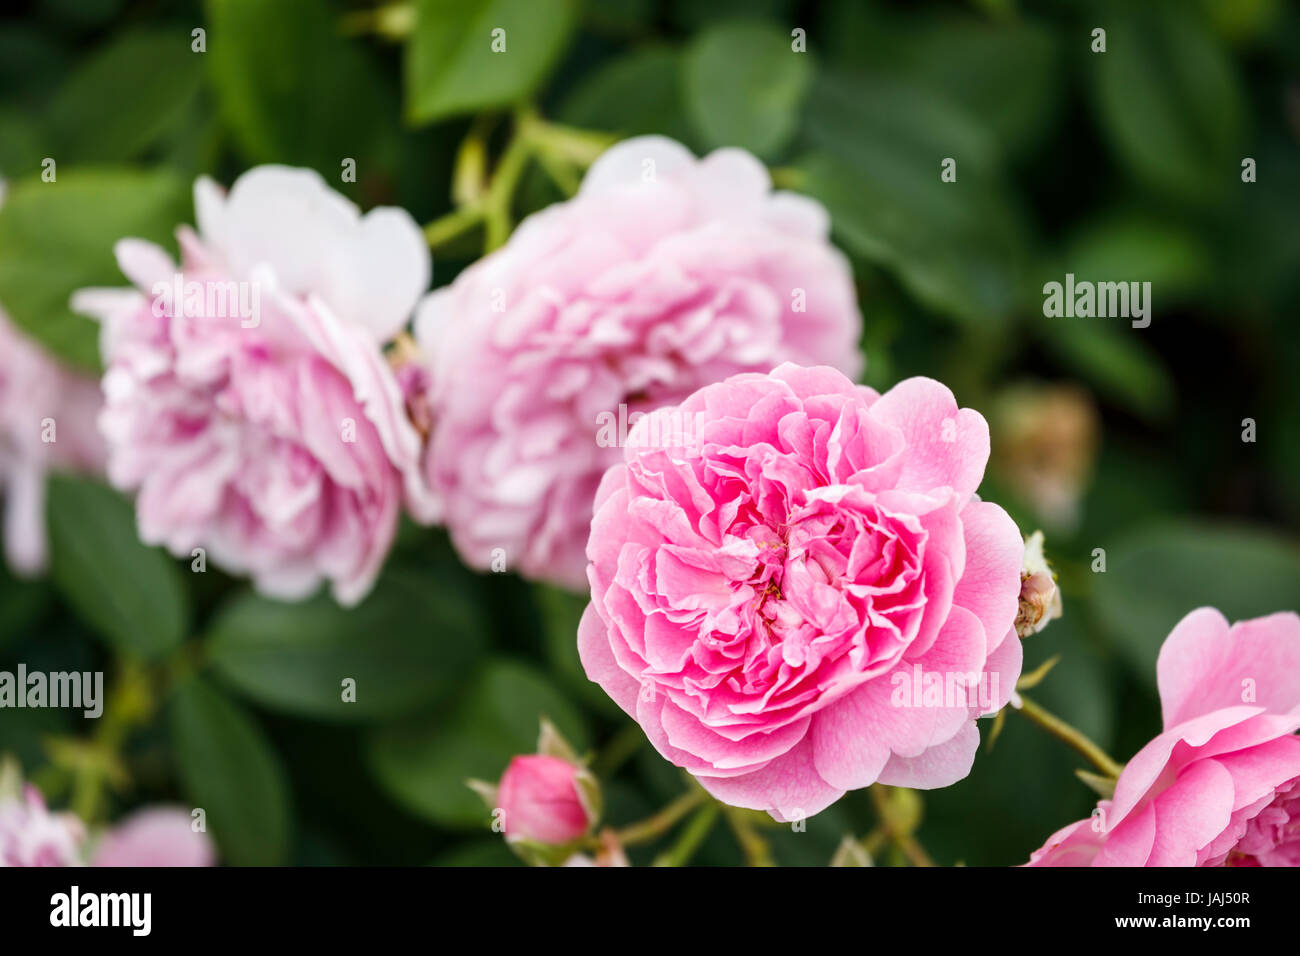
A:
[(544, 801), (1040, 599)]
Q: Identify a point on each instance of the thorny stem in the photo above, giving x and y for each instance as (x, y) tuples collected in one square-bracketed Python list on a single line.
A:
[(1071, 736)]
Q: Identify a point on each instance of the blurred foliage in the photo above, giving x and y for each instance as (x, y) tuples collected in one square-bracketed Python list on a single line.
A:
[(1123, 165)]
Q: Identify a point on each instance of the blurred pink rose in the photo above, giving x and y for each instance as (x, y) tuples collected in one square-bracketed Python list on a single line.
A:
[(30, 835), (248, 397), (1221, 785), (540, 798), (664, 274), (47, 422), (775, 595), (154, 836)]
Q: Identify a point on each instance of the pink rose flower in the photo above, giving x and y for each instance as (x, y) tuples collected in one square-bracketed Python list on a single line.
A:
[(664, 274), (30, 835), (248, 398), (47, 422), (776, 590), (154, 836), (541, 800), (1220, 786)]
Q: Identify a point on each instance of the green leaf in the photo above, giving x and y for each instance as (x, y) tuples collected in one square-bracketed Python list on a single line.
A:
[(1130, 246), (957, 247), (1006, 73), (24, 144), (1114, 357), (744, 86), (58, 237), (1156, 575), (410, 642), (291, 89), (128, 593), (141, 85), (424, 763), (561, 611), (1169, 100), (634, 95), (229, 769), (942, 253), (1009, 74), (451, 67), (22, 605)]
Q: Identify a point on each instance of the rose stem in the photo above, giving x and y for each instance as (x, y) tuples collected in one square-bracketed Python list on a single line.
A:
[(660, 823), (752, 845), (1062, 731), (692, 835)]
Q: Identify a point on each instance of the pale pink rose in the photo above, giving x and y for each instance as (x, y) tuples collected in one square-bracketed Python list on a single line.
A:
[(47, 422), (541, 801), (1221, 784), (773, 597), (154, 836), (664, 274), (260, 420), (30, 835)]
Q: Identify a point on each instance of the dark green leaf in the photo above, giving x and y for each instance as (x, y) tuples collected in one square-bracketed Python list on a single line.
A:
[(410, 642), (135, 89), (229, 769), (130, 594), (1156, 575), (58, 237), (424, 763), (1124, 247), (1114, 357), (958, 247), (1169, 99), (291, 89), (744, 85), (634, 95), (561, 612), (451, 67)]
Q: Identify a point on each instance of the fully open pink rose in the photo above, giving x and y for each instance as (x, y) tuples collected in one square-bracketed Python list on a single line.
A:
[(248, 397), (47, 422), (1221, 784), (541, 801), (664, 274), (796, 592)]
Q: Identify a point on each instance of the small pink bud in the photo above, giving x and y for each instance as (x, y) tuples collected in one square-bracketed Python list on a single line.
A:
[(542, 801)]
